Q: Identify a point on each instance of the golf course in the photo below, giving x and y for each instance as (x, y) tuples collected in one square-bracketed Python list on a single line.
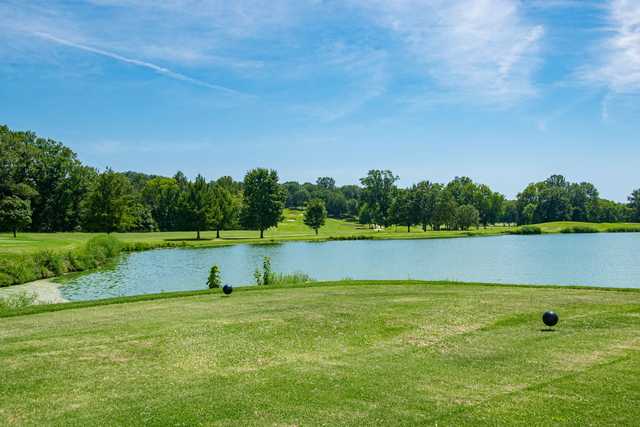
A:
[(341, 353)]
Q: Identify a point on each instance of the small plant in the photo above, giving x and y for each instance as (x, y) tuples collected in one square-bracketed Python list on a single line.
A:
[(214, 280), (257, 275), (267, 275)]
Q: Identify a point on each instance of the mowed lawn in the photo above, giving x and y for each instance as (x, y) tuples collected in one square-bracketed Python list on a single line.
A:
[(347, 353), (291, 228)]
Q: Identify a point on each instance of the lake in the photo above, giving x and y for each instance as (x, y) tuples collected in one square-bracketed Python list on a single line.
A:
[(602, 259)]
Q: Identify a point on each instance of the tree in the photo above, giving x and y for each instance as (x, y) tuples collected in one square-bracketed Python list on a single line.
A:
[(199, 204), (225, 209), (162, 197), (444, 212), (364, 215), (315, 214), (634, 204), (326, 183), (107, 206), (402, 210), (15, 214), (214, 280), (466, 216), (424, 198), (378, 192), (264, 200)]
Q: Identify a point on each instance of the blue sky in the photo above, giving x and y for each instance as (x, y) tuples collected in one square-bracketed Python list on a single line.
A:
[(504, 91)]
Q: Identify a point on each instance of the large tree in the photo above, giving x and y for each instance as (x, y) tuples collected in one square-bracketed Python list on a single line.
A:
[(378, 192), (15, 214), (424, 202), (107, 208), (315, 214), (466, 216), (225, 210), (200, 207), (403, 210), (264, 200), (634, 204)]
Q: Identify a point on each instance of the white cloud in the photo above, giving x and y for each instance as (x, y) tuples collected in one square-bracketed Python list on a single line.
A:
[(484, 48), (619, 54)]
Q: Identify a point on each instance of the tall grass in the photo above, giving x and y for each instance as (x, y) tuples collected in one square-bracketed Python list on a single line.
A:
[(527, 229), (97, 251), (579, 229), (16, 302), (290, 279)]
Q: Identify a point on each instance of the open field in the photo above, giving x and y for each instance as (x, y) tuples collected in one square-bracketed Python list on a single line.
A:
[(349, 353), (292, 228)]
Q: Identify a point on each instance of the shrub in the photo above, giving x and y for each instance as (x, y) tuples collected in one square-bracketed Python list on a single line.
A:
[(527, 229), (623, 229), (355, 237), (28, 267), (214, 280), (579, 229)]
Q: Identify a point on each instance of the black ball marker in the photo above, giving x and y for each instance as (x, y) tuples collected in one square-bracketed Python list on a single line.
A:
[(227, 289), (550, 318)]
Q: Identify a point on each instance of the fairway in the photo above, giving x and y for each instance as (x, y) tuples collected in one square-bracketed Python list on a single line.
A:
[(345, 353)]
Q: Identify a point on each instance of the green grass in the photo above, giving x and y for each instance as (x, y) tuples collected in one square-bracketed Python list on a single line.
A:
[(292, 228), (345, 353)]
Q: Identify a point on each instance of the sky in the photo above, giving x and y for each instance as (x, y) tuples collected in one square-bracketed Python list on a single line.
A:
[(506, 92)]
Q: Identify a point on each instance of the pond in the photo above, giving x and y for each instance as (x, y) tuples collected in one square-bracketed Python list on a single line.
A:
[(603, 259)]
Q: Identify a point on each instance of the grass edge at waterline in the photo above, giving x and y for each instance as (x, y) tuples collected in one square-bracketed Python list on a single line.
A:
[(46, 308)]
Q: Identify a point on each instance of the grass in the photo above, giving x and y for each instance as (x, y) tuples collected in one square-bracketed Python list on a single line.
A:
[(343, 353)]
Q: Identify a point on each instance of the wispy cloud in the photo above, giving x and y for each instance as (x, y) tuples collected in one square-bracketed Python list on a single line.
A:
[(158, 69), (484, 48), (619, 66)]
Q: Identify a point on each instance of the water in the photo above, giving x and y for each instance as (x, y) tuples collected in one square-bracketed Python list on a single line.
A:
[(565, 259)]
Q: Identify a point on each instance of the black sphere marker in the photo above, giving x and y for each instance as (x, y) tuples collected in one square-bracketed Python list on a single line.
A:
[(227, 289), (550, 318)]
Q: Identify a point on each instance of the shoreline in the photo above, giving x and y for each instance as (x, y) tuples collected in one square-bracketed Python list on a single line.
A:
[(45, 291)]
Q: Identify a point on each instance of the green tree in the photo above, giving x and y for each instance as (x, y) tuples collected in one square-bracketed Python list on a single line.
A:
[(214, 280), (162, 196), (15, 214), (424, 202), (402, 211), (634, 204), (225, 209), (107, 207), (444, 212), (364, 214), (199, 205), (378, 192), (264, 200), (466, 216), (315, 214)]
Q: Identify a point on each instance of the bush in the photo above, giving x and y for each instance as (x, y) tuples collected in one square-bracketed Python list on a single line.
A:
[(355, 237), (214, 280), (623, 229), (579, 229), (28, 267), (527, 229)]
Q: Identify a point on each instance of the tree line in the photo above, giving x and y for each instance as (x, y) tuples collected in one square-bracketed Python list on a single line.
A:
[(45, 187)]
